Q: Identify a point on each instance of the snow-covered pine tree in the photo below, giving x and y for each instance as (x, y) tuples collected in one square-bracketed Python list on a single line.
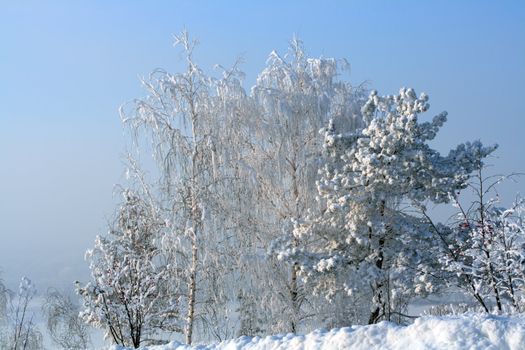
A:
[(368, 243), (127, 295)]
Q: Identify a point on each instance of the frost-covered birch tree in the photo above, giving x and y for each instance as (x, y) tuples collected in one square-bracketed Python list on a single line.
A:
[(368, 242), (187, 117), (64, 325), (17, 326), (294, 96)]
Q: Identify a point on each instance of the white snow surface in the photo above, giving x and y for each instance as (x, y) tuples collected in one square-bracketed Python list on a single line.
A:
[(469, 331)]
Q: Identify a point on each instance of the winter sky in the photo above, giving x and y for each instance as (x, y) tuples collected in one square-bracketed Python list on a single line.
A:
[(66, 66)]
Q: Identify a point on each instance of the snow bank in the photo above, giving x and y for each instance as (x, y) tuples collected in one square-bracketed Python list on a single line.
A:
[(471, 331)]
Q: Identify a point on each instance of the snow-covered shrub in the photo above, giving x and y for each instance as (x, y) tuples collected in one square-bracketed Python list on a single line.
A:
[(128, 295), (452, 309), (484, 249)]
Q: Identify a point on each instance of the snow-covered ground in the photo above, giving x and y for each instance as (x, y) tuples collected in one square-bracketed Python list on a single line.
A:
[(471, 331)]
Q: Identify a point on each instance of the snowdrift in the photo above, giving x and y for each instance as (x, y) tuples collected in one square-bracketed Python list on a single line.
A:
[(471, 331)]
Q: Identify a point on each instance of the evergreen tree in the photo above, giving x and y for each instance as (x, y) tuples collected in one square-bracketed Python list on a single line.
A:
[(368, 242)]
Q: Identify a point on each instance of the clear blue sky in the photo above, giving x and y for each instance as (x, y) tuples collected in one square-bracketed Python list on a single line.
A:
[(66, 66)]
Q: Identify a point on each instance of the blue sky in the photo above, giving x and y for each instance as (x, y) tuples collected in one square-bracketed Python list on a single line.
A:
[(66, 66)]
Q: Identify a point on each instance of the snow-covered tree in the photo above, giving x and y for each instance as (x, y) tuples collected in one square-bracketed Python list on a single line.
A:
[(128, 296), (3, 303), (484, 248), (187, 117), (293, 98), (235, 170), (367, 242), (17, 328), (64, 325)]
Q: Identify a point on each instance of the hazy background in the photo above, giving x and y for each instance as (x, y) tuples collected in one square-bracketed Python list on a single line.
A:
[(66, 66)]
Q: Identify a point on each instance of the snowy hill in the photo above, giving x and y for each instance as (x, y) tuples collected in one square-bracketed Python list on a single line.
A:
[(472, 331)]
